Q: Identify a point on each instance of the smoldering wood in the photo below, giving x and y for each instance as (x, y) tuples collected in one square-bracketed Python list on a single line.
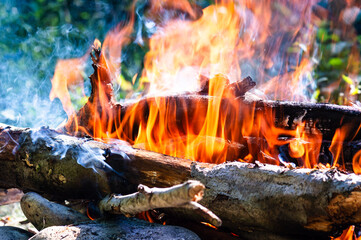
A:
[(238, 88), (246, 197)]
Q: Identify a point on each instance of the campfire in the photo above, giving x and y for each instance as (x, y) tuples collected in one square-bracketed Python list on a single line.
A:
[(219, 127)]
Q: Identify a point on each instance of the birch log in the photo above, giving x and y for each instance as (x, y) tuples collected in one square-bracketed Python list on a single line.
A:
[(246, 197)]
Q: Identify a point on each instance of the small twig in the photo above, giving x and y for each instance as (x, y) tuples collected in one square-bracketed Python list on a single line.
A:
[(183, 195), (205, 213)]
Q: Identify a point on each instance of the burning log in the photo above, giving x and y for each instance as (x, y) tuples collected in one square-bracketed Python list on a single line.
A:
[(167, 124), (246, 197)]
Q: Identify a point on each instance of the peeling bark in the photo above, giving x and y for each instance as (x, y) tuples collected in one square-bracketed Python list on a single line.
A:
[(246, 197)]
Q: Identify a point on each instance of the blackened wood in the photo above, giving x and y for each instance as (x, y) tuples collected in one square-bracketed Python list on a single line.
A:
[(191, 109)]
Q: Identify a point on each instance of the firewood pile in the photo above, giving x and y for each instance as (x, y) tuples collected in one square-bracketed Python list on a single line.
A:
[(251, 200)]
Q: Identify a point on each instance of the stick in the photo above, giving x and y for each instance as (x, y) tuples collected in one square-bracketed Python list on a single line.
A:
[(151, 198), (184, 195)]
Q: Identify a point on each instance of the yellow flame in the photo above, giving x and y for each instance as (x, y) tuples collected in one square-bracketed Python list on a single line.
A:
[(228, 37)]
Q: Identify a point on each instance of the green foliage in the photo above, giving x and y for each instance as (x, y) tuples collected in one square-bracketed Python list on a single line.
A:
[(335, 64), (35, 34)]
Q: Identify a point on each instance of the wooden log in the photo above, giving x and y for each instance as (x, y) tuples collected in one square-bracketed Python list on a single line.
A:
[(43, 213), (120, 228), (187, 113), (325, 117), (246, 197), (322, 119)]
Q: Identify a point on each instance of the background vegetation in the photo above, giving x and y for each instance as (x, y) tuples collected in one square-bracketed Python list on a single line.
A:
[(35, 34)]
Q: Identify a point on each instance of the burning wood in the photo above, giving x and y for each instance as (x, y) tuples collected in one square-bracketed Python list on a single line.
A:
[(179, 125), (217, 122), (243, 195), (50, 161)]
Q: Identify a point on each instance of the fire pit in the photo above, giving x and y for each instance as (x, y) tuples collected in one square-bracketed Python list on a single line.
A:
[(270, 162)]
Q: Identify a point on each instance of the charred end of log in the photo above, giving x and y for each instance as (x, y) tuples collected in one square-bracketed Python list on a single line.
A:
[(204, 85), (241, 87), (101, 79), (237, 89), (325, 118), (100, 101)]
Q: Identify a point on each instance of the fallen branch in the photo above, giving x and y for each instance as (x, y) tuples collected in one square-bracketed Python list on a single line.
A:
[(184, 195), (204, 212), (151, 198)]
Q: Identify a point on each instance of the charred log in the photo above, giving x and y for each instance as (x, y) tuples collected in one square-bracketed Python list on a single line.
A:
[(187, 112)]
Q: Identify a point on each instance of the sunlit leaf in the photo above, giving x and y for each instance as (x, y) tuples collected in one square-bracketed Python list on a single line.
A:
[(347, 79), (335, 38), (322, 34), (335, 62)]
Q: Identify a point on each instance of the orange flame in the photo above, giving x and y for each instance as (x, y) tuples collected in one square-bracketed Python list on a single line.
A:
[(221, 44), (231, 39), (68, 73), (348, 234)]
